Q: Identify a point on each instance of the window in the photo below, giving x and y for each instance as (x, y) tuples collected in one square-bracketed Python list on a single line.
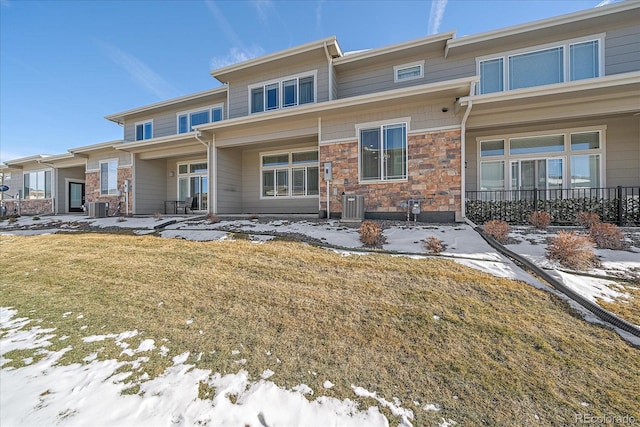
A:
[(144, 130), (290, 174), (37, 185), (383, 153), (109, 177), (187, 120), (408, 71), (561, 62), (571, 159), (289, 92)]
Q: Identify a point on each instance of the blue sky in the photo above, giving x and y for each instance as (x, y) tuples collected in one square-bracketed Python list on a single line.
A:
[(64, 65)]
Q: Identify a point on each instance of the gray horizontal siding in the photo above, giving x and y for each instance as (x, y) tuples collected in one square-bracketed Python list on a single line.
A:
[(229, 181), (149, 186), (622, 50)]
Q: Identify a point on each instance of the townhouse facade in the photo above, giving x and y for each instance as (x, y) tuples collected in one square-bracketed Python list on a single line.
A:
[(547, 104)]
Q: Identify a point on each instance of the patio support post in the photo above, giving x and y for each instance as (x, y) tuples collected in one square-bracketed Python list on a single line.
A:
[(620, 216)]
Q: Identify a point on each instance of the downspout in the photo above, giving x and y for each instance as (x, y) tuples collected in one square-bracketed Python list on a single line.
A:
[(210, 168), (463, 143), (329, 70)]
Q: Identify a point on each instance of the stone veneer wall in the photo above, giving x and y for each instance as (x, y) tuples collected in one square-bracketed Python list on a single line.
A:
[(434, 168), (29, 206), (92, 190)]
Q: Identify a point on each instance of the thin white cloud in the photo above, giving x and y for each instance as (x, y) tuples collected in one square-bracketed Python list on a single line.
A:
[(223, 24), (319, 15), (608, 2), (435, 15), (262, 7), (5, 3), (140, 72), (236, 55)]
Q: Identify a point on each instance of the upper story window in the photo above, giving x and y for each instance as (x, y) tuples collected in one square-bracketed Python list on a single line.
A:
[(415, 70), (383, 152), (188, 119), (109, 177), (288, 92), (542, 65), (37, 185), (144, 130)]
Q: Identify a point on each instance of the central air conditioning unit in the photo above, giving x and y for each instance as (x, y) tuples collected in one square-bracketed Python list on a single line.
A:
[(97, 210), (352, 208)]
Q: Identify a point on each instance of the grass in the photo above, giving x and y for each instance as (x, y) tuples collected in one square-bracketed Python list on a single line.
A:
[(488, 350), (626, 307)]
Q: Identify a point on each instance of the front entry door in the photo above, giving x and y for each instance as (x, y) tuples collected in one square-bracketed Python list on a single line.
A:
[(76, 196)]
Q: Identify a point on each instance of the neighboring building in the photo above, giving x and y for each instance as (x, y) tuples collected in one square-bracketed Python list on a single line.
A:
[(548, 104)]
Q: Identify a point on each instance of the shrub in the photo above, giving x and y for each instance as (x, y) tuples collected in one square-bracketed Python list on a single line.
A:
[(434, 245), (157, 216), (540, 219), (572, 250), (497, 229), (213, 218), (370, 233), (606, 236), (587, 219), (36, 218)]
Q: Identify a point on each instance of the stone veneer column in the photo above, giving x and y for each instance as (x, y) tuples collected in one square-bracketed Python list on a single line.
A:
[(92, 189), (434, 174)]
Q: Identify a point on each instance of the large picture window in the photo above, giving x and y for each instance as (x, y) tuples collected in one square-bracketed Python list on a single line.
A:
[(288, 92), (290, 174), (565, 61), (109, 177), (545, 162), (383, 152), (37, 185)]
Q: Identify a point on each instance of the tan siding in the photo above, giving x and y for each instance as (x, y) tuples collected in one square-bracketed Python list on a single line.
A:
[(93, 162), (229, 181), (267, 131), (76, 174), (423, 116), (149, 186), (15, 183)]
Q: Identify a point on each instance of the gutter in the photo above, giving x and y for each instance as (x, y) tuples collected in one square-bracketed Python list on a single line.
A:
[(210, 167), (329, 70), (594, 308)]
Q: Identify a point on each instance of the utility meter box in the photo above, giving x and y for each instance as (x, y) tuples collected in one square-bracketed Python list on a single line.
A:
[(415, 207)]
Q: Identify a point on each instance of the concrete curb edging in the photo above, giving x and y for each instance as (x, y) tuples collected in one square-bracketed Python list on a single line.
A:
[(598, 311)]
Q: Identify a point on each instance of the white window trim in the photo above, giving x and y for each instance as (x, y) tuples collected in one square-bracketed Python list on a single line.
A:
[(210, 108), (280, 82), (290, 167), (369, 125), (100, 175), (401, 67), (135, 129), (565, 155), (565, 44)]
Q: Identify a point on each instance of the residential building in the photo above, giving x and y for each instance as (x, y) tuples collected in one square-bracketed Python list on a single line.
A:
[(548, 104)]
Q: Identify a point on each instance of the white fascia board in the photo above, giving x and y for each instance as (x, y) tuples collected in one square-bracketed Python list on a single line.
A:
[(371, 53), (462, 83), (118, 117), (95, 147), (154, 141), (587, 84), (542, 24), (25, 160), (318, 44)]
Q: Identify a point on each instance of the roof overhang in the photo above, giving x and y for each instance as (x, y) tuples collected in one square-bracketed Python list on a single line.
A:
[(23, 161), (120, 117), (95, 147), (329, 44), (431, 44), (452, 88), (613, 14), (164, 147), (611, 95)]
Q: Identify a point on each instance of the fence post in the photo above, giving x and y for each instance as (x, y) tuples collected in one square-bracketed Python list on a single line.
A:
[(620, 216)]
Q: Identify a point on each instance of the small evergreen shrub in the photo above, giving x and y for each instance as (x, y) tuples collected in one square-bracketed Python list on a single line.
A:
[(497, 229), (36, 218), (572, 250), (540, 219), (371, 234), (434, 245), (587, 219), (606, 236)]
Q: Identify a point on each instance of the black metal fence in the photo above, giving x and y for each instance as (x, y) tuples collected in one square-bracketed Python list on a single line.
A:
[(617, 205)]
